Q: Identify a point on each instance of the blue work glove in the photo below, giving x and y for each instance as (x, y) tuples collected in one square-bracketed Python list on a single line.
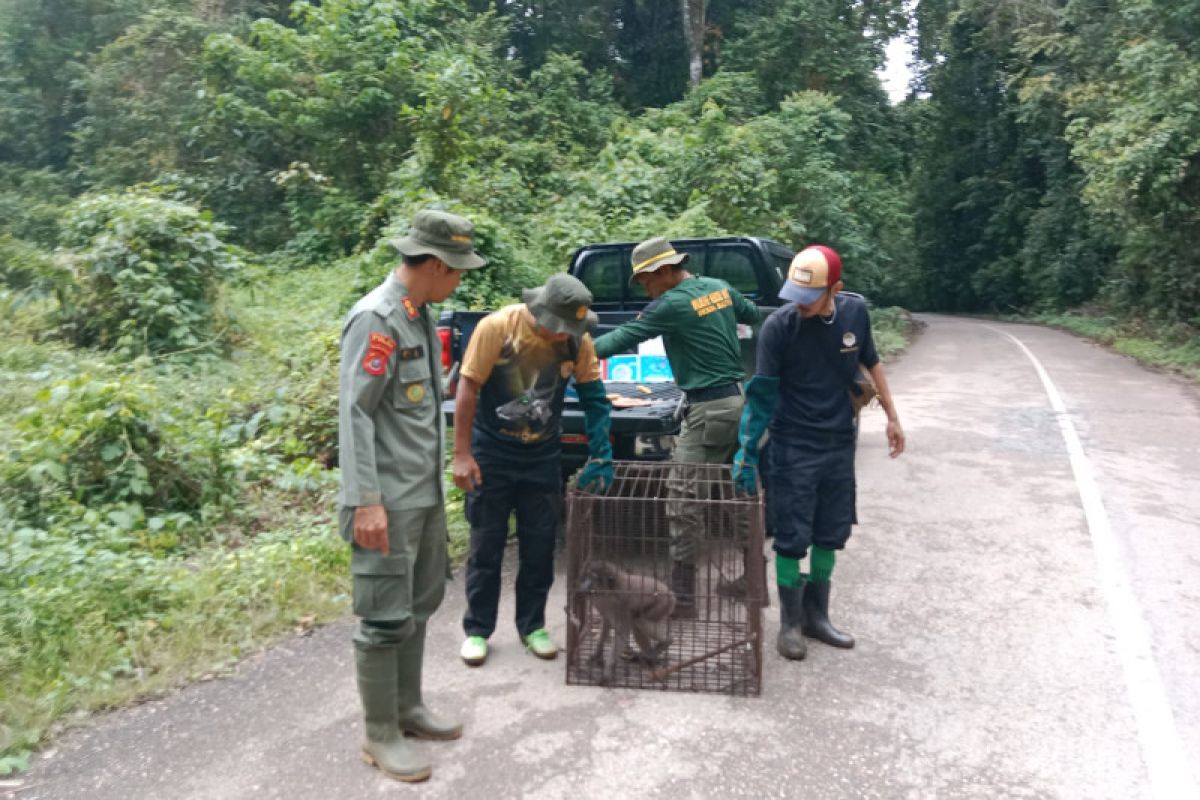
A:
[(596, 477)]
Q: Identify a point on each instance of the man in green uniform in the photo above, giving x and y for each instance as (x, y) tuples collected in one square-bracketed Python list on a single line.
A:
[(697, 318), (391, 443)]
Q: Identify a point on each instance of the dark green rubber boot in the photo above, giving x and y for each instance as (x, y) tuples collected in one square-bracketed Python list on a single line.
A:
[(415, 719), (384, 746), (815, 622), (790, 643), (683, 586)]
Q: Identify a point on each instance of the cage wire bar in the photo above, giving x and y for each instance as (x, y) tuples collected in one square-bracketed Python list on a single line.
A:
[(620, 560)]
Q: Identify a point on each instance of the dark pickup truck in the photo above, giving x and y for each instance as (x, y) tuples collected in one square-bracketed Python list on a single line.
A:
[(755, 267)]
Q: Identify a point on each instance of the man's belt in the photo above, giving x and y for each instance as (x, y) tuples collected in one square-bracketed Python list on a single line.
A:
[(713, 393)]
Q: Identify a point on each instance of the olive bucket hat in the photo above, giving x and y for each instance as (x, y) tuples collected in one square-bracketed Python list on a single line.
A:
[(652, 254), (438, 233), (562, 305)]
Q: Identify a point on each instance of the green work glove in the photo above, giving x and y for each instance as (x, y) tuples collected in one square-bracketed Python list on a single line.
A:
[(744, 476), (596, 477), (597, 473), (762, 395)]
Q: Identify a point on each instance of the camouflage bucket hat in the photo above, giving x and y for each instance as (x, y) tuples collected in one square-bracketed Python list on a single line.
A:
[(653, 254), (438, 233), (562, 305)]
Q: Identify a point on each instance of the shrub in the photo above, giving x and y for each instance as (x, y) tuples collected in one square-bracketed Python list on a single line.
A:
[(141, 274), (90, 618), (302, 420), (93, 442), (501, 281), (31, 202), (22, 264)]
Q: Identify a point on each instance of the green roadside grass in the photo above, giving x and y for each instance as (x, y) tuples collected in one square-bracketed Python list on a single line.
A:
[(1175, 348), (893, 329), (103, 605)]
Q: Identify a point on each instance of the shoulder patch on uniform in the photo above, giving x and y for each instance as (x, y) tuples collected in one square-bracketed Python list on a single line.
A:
[(378, 351), (374, 364), (383, 343)]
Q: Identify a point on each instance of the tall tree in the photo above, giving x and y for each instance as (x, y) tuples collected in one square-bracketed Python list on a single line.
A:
[(1062, 154), (692, 15)]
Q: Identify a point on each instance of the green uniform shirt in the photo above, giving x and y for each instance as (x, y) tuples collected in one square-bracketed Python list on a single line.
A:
[(390, 425), (698, 322)]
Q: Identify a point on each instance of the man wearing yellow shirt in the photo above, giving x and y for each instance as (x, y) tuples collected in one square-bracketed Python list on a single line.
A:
[(507, 450)]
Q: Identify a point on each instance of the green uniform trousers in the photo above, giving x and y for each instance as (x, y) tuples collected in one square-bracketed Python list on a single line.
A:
[(709, 436), (407, 585)]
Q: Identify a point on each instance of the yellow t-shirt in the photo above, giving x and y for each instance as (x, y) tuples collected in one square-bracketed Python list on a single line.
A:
[(522, 378)]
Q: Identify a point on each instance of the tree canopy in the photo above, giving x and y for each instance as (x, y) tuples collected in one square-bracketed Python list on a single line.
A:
[(1048, 155)]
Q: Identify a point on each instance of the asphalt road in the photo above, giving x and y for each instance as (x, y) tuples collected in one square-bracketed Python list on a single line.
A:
[(1023, 586)]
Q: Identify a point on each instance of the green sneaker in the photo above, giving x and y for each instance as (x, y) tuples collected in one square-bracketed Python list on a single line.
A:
[(541, 645), (474, 651)]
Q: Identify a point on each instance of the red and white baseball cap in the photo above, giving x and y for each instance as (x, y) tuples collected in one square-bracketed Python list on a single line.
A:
[(814, 269)]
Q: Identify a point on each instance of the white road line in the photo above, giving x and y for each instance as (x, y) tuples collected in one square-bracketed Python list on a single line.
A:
[(1162, 748)]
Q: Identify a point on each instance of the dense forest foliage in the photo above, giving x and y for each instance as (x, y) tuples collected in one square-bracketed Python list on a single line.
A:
[(192, 192), (1048, 156)]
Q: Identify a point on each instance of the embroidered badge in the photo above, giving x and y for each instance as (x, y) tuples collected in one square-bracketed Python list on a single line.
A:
[(415, 392), (379, 349), (374, 363), (848, 339), (383, 343), (410, 308)]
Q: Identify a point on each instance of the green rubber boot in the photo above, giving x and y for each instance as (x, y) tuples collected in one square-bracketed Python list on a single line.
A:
[(384, 747), (683, 586), (415, 719)]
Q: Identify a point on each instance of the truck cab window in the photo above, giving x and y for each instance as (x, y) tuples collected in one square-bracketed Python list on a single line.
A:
[(732, 264), (604, 274)]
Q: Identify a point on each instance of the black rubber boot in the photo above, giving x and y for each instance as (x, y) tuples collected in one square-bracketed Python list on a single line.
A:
[(790, 643), (415, 719), (815, 621), (683, 586)]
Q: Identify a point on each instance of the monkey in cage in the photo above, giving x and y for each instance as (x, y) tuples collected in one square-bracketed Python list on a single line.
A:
[(628, 602)]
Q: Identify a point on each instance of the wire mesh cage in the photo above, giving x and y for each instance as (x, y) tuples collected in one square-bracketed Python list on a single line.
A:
[(666, 582)]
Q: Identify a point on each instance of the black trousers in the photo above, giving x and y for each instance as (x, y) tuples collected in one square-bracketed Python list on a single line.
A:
[(534, 492), (811, 495)]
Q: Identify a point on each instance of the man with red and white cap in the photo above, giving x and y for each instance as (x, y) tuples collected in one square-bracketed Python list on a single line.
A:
[(809, 352)]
